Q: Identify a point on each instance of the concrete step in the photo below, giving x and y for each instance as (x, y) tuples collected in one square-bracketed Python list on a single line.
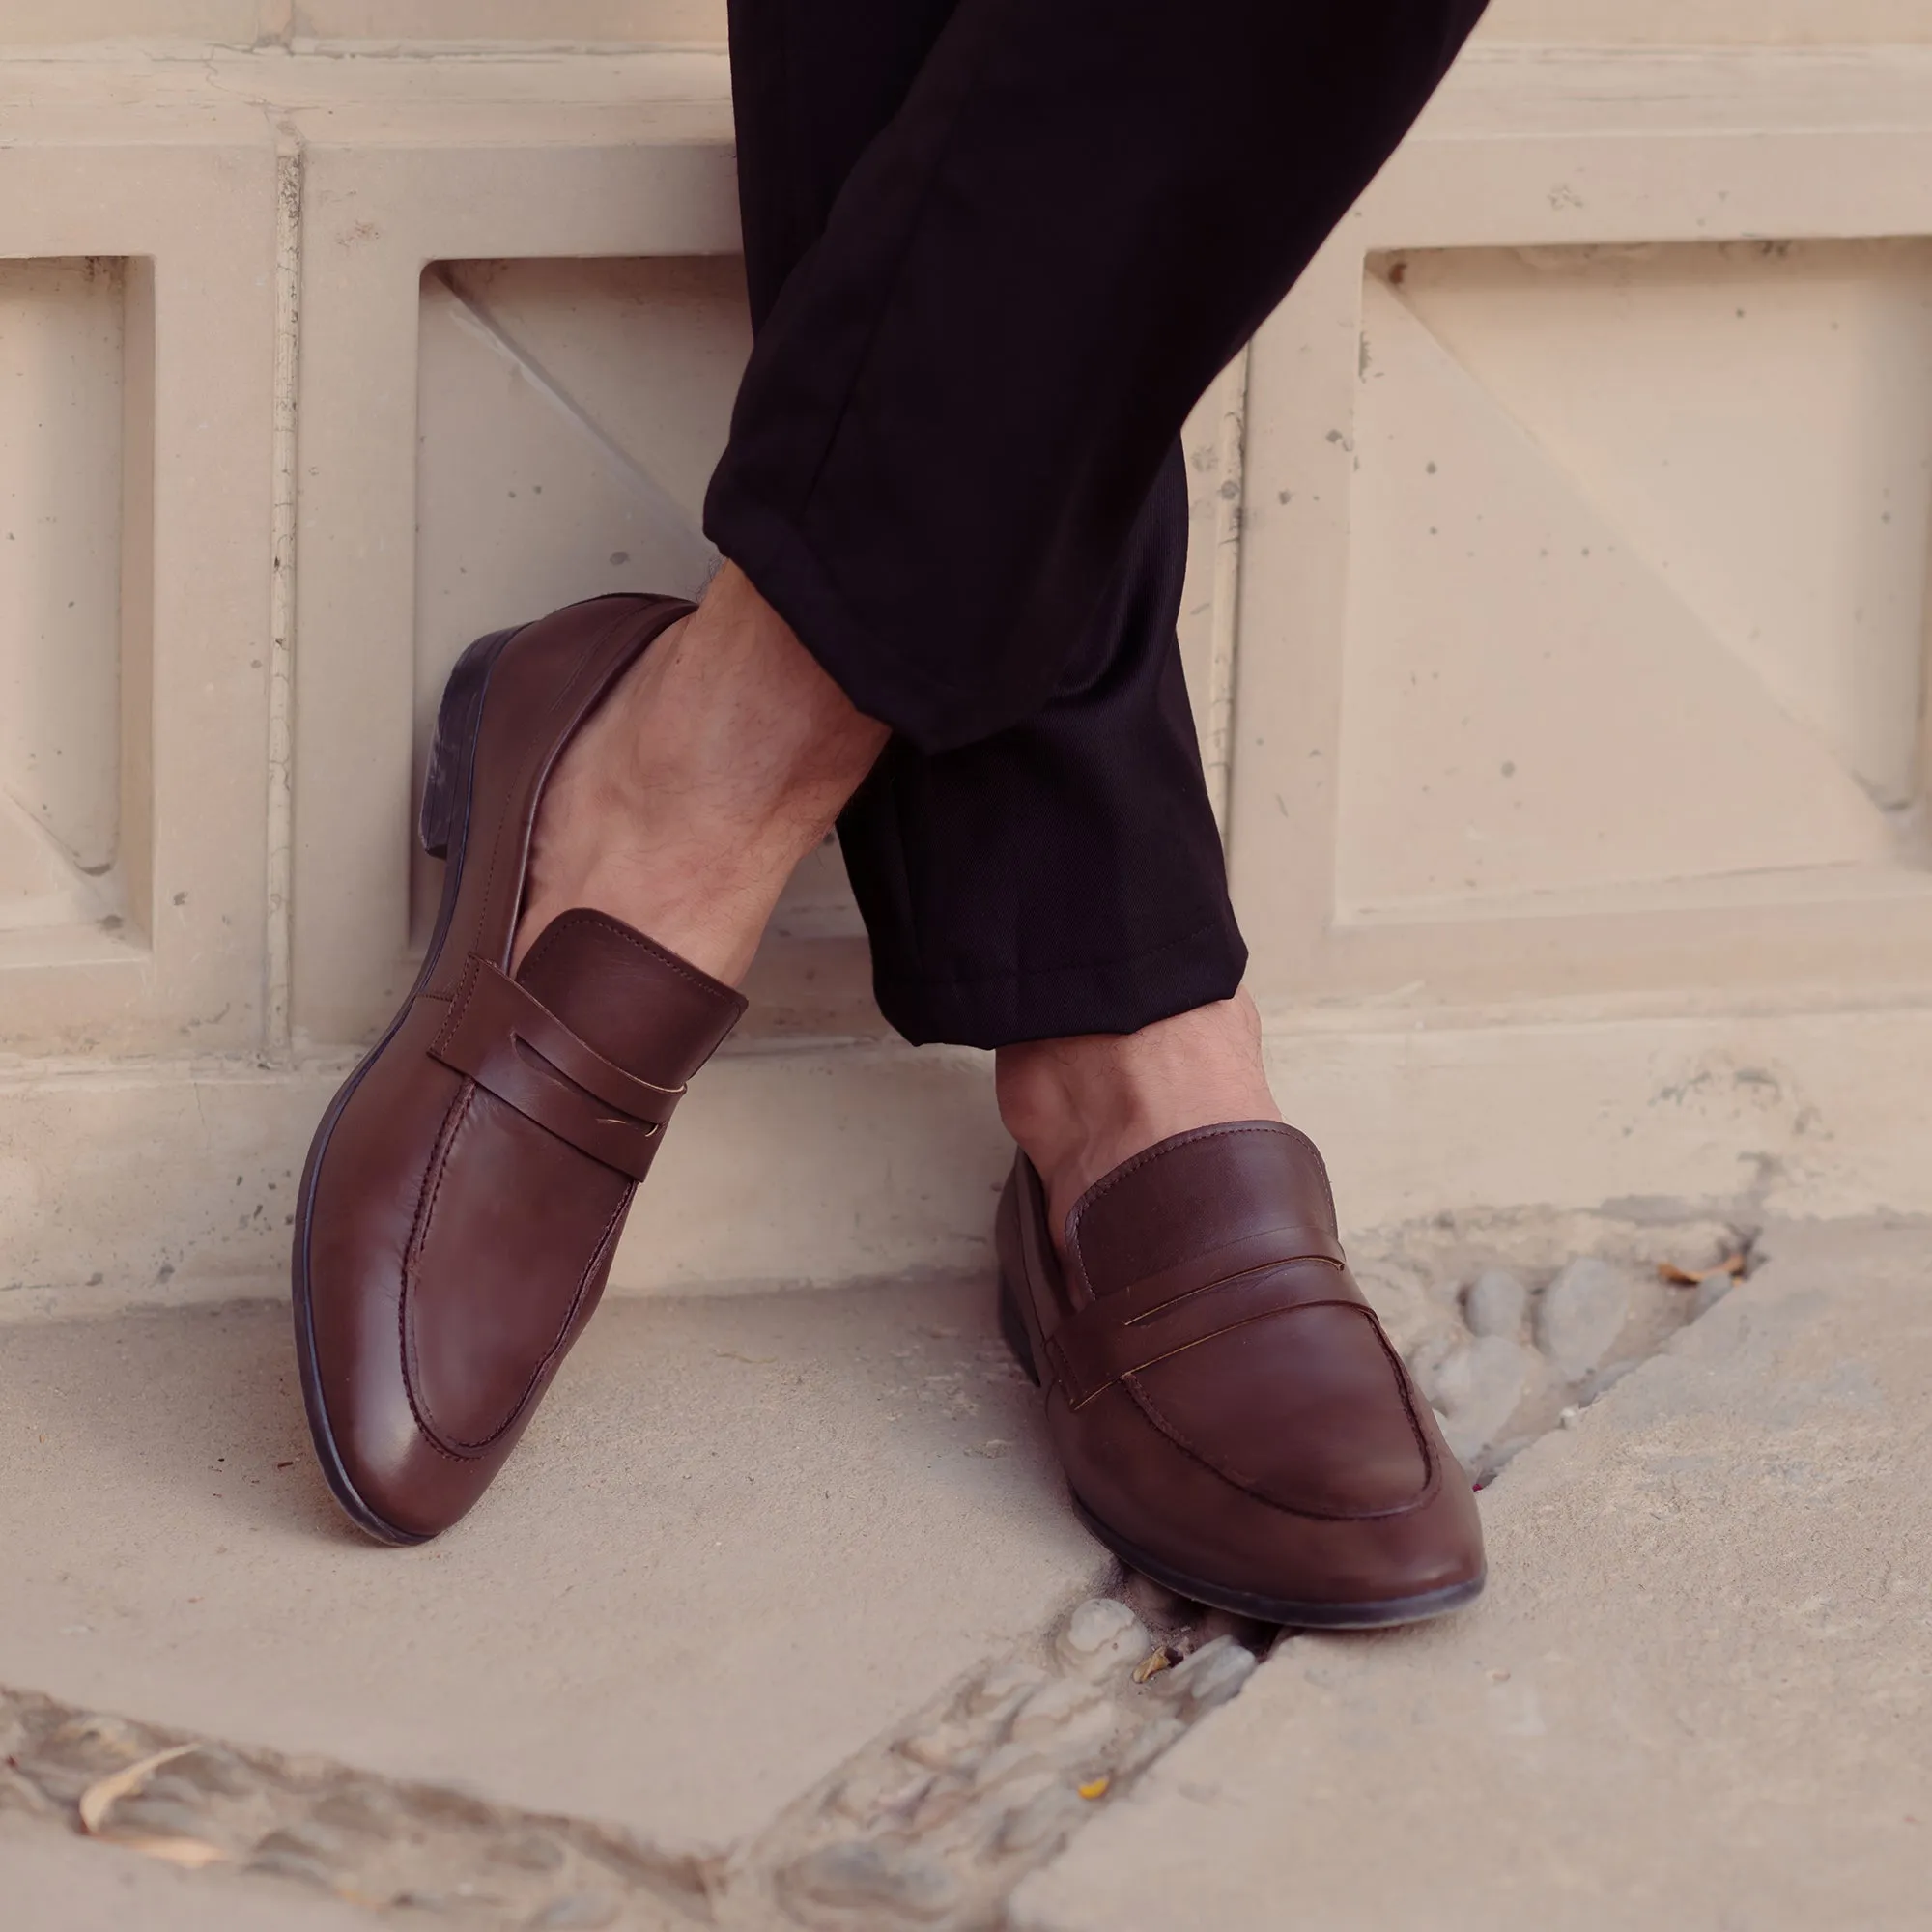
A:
[(778, 1618), (742, 1538), (1695, 1695), (53, 1883)]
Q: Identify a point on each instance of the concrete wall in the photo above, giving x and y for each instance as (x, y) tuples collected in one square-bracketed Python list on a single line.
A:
[(247, 23), (1557, 616)]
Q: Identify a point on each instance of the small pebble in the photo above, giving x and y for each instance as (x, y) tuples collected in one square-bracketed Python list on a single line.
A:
[(1004, 1684), (437, 1804), (528, 1851), (1495, 1303), (308, 1837), (1478, 1388), (1103, 1635), (286, 1862), (879, 1790), (861, 1875), (941, 1746), (148, 1816), (579, 1910), (1152, 1739), (364, 1811), (1212, 1675), (1580, 1314), (1008, 1761), (1042, 1817), (1050, 1709), (212, 1769)]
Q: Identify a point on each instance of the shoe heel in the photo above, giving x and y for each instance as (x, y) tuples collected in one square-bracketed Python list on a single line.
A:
[(445, 796), (1012, 1325)]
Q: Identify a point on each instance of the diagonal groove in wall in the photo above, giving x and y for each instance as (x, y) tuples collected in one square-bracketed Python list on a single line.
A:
[(663, 509), (279, 883), (1635, 550)]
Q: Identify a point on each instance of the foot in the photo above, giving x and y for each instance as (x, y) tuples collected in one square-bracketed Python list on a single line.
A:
[(714, 765), (1081, 1106)]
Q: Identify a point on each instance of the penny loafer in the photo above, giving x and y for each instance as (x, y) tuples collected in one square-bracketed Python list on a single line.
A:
[(465, 1190), (1232, 1419)]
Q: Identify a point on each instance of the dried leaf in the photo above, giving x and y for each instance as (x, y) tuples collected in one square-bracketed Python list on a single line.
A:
[(1095, 1787), (194, 1852), (1153, 1664), (98, 1800), (1678, 1277)]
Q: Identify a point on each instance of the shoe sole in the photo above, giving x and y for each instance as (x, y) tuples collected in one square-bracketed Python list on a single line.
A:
[(1383, 1614), (443, 826)]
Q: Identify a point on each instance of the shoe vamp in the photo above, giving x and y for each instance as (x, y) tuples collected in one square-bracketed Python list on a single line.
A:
[(511, 1253), (1307, 1409)]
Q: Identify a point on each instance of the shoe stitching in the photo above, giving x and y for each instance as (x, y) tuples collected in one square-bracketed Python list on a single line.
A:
[(538, 762), (699, 979), (452, 1120), (459, 1109), (457, 1450), (1127, 1168), (1425, 1492)]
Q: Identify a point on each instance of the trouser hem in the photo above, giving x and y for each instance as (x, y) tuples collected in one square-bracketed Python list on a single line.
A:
[(1058, 1002), (881, 681)]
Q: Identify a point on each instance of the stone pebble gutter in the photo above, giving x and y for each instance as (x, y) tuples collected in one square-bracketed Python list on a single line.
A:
[(934, 1825)]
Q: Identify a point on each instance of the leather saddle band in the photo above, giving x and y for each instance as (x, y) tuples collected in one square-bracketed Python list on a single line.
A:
[(1270, 1272), (513, 1046)]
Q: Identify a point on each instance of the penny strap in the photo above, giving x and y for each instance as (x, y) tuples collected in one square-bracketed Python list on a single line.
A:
[(512, 1045), (1269, 1272)]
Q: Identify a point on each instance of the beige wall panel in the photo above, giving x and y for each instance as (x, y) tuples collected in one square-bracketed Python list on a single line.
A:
[(1615, 612), (1379, 849), (146, 469), (569, 414), (637, 23), (551, 22), (374, 217), (1753, 422), (61, 405), (61, 23), (1693, 23)]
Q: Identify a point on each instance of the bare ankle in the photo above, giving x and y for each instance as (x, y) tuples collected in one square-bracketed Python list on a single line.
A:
[(717, 764), (1081, 1106)]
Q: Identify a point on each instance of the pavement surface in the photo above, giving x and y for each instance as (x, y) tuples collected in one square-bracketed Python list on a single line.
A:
[(740, 1638), (742, 1537), (1698, 1694), (57, 1884)]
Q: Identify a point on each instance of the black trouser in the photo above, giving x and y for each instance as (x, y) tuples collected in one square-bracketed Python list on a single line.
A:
[(997, 250)]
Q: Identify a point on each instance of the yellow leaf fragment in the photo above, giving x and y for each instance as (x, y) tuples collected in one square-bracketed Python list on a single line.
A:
[(1680, 1277), (98, 1800), (1153, 1664), (194, 1853), (1095, 1787)]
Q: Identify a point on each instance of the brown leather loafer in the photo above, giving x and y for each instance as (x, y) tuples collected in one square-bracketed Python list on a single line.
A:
[(465, 1190), (1232, 1418)]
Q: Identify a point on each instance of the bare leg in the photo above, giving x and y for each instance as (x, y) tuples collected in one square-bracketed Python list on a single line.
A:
[(1080, 1107), (716, 765), (722, 758)]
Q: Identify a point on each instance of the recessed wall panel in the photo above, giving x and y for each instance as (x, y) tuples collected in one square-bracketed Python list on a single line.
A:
[(62, 358), (1637, 572)]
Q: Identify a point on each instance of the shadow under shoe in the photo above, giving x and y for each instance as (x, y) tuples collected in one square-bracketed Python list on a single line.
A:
[(1232, 1419), (465, 1190)]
